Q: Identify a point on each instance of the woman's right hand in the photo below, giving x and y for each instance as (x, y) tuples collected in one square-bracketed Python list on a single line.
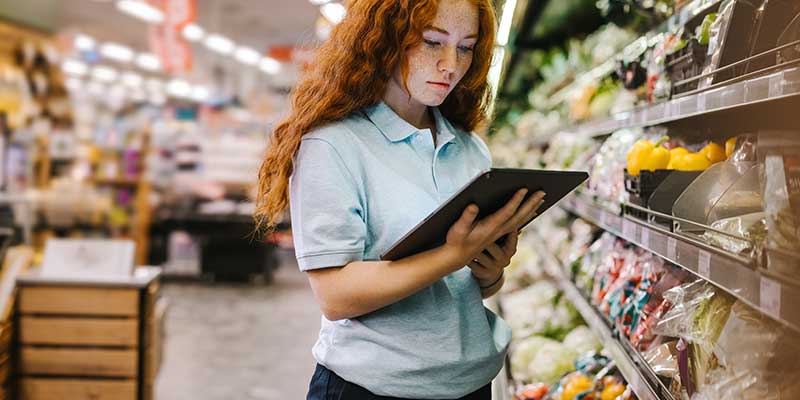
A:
[(468, 238)]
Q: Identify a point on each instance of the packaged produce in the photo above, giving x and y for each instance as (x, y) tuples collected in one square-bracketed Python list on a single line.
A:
[(550, 362), (752, 227), (524, 352), (536, 391), (582, 340), (781, 190), (607, 177)]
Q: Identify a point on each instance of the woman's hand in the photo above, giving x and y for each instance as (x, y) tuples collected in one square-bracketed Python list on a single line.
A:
[(467, 239), (488, 266)]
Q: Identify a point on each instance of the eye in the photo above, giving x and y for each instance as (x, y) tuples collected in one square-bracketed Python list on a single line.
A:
[(431, 43), (465, 49)]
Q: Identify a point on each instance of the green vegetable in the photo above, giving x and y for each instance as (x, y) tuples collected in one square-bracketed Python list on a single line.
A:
[(704, 28), (709, 320)]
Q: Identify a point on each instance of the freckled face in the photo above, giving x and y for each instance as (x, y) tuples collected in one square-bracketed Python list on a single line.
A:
[(436, 65)]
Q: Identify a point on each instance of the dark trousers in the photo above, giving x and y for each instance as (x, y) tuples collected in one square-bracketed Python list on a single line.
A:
[(326, 385)]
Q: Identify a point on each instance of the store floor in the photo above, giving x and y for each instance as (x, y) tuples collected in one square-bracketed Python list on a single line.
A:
[(240, 341)]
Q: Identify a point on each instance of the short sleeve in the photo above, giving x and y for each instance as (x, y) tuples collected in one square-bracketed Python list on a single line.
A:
[(328, 223)]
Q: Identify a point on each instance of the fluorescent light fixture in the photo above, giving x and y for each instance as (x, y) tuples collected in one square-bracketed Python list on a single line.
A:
[(117, 52), (179, 88), (219, 43), (270, 65), (318, 2), (333, 12), (148, 61), (83, 42), (504, 30), (131, 79), (141, 10), (74, 67), (73, 84), (200, 93), (104, 74), (247, 55), (193, 33)]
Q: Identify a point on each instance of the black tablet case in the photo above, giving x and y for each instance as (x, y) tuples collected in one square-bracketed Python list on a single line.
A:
[(490, 190)]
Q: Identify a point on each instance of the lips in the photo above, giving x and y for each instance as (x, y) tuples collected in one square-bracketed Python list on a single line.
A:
[(441, 85)]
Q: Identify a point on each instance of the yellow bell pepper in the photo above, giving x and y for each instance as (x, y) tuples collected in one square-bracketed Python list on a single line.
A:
[(658, 159), (640, 154), (612, 391), (674, 154), (730, 146), (574, 387), (714, 152), (692, 162)]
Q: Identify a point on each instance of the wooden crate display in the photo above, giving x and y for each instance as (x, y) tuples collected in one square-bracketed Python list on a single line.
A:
[(90, 341)]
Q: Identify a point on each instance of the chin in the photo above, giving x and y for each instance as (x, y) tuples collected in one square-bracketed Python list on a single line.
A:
[(432, 100)]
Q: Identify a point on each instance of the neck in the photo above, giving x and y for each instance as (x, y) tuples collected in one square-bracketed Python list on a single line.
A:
[(413, 112)]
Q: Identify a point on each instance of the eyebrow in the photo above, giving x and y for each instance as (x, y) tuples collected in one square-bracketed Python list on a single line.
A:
[(440, 30)]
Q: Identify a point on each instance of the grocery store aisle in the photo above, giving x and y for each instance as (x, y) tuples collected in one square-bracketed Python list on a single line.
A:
[(239, 341)]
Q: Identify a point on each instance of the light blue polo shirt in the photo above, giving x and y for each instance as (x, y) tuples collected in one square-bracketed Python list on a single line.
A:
[(359, 185)]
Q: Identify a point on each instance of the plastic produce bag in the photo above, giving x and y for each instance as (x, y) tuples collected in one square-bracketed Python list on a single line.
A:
[(757, 359), (781, 154), (751, 226)]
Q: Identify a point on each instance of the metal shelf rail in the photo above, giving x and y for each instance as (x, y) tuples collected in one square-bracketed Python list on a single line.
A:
[(740, 276)]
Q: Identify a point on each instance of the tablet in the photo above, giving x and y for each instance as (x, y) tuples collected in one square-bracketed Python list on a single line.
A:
[(490, 190)]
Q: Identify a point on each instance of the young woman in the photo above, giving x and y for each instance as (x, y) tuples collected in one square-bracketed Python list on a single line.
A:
[(379, 136)]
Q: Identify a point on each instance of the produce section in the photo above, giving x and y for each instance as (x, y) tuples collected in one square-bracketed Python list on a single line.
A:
[(684, 242)]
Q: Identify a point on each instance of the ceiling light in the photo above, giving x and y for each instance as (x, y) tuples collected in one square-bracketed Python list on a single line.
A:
[(83, 42), (219, 43), (141, 10), (333, 12), (148, 61), (131, 79), (200, 93), (74, 67), (270, 65), (179, 88), (104, 74), (247, 55), (193, 33), (117, 52), (504, 29)]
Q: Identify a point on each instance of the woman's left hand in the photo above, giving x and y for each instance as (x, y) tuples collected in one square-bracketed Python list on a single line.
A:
[(488, 265)]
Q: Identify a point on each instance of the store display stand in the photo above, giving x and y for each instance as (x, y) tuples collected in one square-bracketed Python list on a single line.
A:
[(90, 338)]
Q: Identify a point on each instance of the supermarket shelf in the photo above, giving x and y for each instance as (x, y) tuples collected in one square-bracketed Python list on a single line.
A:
[(639, 377), (740, 276), (722, 103)]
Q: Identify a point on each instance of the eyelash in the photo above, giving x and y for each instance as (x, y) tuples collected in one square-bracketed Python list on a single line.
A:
[(432, 43)]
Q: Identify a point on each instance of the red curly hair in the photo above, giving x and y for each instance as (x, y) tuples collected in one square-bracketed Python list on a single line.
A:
[(351, 71)]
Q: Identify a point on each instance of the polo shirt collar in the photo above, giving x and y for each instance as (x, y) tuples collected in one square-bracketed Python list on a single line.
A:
[(389, 123), (397, 129)]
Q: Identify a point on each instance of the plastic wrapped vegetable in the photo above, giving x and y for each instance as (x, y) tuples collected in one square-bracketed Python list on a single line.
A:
[(524, 352), (582, 340), (551, 362)]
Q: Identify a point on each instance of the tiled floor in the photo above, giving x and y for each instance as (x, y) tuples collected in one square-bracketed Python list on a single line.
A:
[(239, 341)]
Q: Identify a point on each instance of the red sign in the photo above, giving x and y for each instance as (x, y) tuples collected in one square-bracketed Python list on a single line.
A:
[(166, 39)]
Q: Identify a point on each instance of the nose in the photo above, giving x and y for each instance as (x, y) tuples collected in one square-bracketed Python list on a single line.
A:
[(447, 63)]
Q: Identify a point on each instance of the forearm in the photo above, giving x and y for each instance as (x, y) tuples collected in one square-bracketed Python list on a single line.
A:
[(365, 286)]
